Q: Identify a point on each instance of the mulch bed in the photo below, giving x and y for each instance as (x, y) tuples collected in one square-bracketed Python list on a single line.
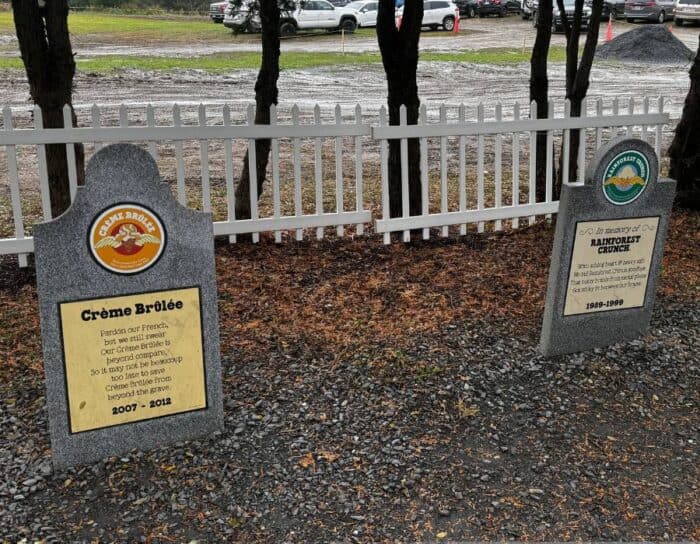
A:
[(388, 393)]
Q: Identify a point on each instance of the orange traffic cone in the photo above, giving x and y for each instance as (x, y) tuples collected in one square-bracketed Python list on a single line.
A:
[(670, 28), (456, 28), (609, 32), (398, 23)]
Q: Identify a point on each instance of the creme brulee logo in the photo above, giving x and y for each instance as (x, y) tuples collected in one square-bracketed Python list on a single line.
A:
[(127, 238)]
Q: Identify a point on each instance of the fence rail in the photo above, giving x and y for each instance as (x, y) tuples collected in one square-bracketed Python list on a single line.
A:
[(310, 194)]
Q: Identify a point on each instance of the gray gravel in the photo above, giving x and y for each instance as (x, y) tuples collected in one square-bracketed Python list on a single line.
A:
[(469, 434)]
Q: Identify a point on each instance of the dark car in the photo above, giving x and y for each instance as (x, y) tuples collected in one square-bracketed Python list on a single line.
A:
[(467, 8), (497, 7), (557, 17), (657, 11)]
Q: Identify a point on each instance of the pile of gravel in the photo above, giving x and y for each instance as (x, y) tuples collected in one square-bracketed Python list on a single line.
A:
[(649, 43)]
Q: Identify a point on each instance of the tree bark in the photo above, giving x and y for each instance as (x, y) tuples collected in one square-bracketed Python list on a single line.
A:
[(578, 75), (399, 49), (685, 148), (44, 42), (539, 89), (266, 94)]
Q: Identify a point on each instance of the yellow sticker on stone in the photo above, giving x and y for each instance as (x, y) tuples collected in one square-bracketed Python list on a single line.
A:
[(132, 358), (610, 265)]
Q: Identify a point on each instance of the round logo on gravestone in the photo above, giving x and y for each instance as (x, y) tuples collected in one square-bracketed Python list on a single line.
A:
[(127, 238), (626, 177)]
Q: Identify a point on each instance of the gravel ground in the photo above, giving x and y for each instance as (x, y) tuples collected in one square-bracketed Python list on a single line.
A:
[(466, 433)]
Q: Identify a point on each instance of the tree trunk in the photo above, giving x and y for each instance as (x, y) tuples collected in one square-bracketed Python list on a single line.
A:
[(685, 148), (539, 89), (266, 94), (44, 42), (399, 49), (578, 75)]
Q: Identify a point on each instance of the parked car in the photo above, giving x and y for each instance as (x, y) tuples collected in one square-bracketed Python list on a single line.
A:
[(366, 12), (686, 11), (437, 13), (558, 18), (527, 8), (616, 8), (605, 13), (318, 14), (492, 7), (241, 19), (658, 11), (216, 11), (467, 8)]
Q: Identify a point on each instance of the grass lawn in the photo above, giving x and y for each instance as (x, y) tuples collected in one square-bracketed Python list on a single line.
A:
[(134, 28), (225, 62)]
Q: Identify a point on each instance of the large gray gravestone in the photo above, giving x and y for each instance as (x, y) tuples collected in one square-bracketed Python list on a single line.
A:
[(129, 318), (608, 246)]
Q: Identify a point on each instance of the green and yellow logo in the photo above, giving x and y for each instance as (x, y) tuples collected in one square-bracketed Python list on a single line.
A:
[(626, 177)]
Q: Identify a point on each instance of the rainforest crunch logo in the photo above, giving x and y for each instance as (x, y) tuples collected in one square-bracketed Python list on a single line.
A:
[(626, 177), (127, 238)]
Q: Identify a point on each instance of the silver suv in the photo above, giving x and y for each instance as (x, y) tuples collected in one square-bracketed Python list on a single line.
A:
[(686, 10)]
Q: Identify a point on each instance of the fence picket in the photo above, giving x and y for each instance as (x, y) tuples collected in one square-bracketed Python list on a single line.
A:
[(515, 188), (296, 147), (43, 168), (645, 106), (339, 170), (252, 172), (550, 159), (566, 150), (95, 114), (318, 170), (598, 130), (581, 162), (275, 150), (70, 154), (204, 162), (532, 187), (179, 162), (12, 171), (359, 189), (228, 174), (424, 174), (480, 167), (630, 111), (498, 167), (405, 210), (462, 170), (151, 122), (443, 171), (384, 159), (659, 128)]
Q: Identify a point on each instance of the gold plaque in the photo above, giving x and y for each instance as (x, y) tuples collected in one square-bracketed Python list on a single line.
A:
[(610, 265), (131, 358)]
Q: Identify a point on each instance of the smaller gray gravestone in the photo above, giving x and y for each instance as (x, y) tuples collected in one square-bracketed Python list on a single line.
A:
[(129, 320), (608, 246)]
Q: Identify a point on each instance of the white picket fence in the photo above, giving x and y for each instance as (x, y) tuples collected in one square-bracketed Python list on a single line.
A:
[(350, 140)]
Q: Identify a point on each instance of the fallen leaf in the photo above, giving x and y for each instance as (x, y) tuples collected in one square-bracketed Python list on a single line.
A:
[(307, 461)]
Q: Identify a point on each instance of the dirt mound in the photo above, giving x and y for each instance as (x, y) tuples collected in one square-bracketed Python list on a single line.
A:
[(649, 43)]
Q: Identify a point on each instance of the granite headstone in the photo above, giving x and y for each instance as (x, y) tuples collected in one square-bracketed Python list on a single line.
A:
[(129, 320), (608, 246)]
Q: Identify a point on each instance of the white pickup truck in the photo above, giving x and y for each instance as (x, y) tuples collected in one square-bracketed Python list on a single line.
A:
[(309, 15), (318, 14)]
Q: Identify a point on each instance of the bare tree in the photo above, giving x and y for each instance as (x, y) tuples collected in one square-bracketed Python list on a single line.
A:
[(539, 87), (578, 72), (44, 43), (266, 94), (685, 148), (399, 50)]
